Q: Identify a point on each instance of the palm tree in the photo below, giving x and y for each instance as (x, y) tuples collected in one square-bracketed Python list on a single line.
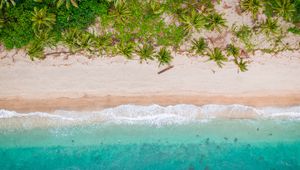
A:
[(120, 12), (68, 3), (244, 32), (164, 56), (69, 38), (145, 52), (215, 21), (199, 46), (6, 3), (270, 26), (232, 50), (126, 49), (79, 40), (284, 8), (192, 21), (251, 6), (242, 65), (217, 56), (42, 21), (35, 48), (156, 7)]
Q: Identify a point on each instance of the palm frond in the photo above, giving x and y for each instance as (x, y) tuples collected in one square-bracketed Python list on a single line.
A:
[(164, 57), (251, 6), (145, 52), (199, 46), (217, 56), (42, 21), (215, 21)]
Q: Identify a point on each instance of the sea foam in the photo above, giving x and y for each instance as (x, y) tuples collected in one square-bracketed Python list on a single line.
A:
[(160, 115)]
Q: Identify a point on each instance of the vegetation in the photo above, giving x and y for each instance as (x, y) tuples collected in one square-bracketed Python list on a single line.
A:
[(164, 56), (217, 56), (251, 6), (199, 46), (145, 29), (145, 52), (215, 21), (42, 21), (7, 3)]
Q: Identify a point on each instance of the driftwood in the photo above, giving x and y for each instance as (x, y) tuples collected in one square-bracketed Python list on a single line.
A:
[(164, 70)]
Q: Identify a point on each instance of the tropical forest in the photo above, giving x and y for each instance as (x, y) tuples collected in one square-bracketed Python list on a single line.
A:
[(147, 30)]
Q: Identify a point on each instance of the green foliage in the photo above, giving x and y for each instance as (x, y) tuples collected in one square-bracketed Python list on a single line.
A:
[(270, 26), (294, 30), (120, 12), (217, 56), (18, 30), (199, 46), (126, 49), (35, 48), (7, 3), (242, 65), (215, 21), (156, 8), (283, 8), (1, 22), (232, 50), (193, 21), (42, 21), (251, 6), (296, 18), (244, 34), (145, 52), (164, 57), (78, 40), (68, 3)]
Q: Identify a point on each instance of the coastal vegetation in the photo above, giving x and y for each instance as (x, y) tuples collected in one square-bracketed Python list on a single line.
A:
[(147, 30)]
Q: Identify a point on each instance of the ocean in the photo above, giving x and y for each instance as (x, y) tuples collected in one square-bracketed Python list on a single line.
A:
[(153, 137)]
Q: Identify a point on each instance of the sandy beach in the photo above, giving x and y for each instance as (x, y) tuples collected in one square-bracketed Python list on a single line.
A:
[(80, 83)]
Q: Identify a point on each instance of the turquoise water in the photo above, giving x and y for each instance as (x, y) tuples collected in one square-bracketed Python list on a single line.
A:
[(211, 144)]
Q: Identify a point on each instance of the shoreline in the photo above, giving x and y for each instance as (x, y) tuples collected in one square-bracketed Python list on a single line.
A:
[(89, 103)]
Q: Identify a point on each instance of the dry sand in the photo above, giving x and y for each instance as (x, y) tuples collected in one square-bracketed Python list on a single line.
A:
[(86, 84)]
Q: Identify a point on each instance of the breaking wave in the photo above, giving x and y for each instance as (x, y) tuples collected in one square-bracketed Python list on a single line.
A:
[(156, 114)]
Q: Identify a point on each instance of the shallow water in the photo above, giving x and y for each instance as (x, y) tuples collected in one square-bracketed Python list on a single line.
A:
[(151, 137)]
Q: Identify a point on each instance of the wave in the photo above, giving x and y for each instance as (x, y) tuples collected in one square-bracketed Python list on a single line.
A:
[(159, 115)]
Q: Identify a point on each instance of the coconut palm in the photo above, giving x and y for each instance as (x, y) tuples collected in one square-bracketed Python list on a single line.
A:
[(79, 40), (199, 46), (284, 8), (192, 21), (7, 3), (126, 49), (120, 12), (251, 6), (243, 32), (68, 3), (156, 7), (232, 50), (242, 65), (42, 21), (164, 56), (270, 26), (215, 21), (35, 48), (217, 56), (103, 43), (145, 52)]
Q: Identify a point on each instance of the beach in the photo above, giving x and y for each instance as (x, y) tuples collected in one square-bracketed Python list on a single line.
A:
[(80, 83)]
